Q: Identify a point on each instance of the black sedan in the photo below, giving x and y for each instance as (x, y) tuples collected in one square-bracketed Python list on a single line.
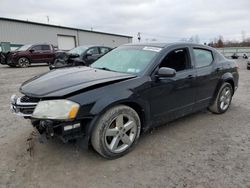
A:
[(127, 91), (79, 56)]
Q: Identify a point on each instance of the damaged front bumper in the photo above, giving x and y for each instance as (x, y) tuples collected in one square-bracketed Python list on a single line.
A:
[(65, 130)]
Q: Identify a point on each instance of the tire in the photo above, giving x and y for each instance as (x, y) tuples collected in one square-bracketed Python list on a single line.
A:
[(248, 68), (116, 132), (23, 62), (222, 100)]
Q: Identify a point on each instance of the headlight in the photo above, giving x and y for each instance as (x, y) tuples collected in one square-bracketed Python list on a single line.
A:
[(56, 109)]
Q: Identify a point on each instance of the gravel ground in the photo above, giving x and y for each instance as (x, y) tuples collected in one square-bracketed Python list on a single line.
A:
[(201, 150)]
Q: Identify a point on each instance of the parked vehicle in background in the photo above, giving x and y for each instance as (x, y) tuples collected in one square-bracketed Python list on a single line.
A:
[(2, 58), (29, 54), (248, 64), (245, 56), (235, 56), (127, 91), (79, 56)]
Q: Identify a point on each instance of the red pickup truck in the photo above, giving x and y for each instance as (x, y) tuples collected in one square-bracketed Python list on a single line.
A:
[(28, 54)]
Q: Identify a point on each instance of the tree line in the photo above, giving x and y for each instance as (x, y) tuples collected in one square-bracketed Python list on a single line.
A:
[(220, 43)]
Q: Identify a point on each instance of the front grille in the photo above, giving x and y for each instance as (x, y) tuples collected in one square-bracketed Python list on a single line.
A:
[(23, 106), (27, 99)]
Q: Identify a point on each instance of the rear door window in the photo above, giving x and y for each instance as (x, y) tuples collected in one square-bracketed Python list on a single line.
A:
[(45, 47), (203, 57)]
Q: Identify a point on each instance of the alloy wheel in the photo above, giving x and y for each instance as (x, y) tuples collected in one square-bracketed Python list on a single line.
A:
[(225, 98), (121, 133), (23, 62)]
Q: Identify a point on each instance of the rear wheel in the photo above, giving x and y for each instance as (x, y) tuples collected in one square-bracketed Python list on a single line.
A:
[(116, 132), (223, 99), (23, 62)]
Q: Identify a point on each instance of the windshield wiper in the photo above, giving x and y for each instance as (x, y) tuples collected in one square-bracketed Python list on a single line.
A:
[(104, 68)]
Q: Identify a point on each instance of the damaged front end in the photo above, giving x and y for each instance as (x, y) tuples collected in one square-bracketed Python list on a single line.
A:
[(60, 103), (65, 129), (3, 58)]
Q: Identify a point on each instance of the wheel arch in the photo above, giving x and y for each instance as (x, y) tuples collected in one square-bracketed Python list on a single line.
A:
[(139, 110), (228, 78), (231, 82)]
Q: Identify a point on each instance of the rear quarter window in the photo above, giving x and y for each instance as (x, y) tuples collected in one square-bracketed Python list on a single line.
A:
[(203, 57), (37, 48)]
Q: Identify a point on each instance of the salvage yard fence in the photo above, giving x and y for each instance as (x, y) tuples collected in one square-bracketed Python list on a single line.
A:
[(240, 51)]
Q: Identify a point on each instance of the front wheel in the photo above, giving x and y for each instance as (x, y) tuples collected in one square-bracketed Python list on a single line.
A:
[(116, 132), (23, 62), (222, 100)]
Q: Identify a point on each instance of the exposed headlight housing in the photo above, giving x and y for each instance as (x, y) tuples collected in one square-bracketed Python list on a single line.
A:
[(56, 109)]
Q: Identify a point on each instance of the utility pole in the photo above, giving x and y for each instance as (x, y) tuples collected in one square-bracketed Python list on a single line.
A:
[(139, 36)]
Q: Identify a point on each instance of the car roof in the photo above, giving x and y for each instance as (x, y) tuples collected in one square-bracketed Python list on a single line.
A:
[(161, 45), (89, 46), (164, 45)]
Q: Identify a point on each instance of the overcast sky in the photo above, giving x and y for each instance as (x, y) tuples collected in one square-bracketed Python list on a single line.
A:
[(163, 20)]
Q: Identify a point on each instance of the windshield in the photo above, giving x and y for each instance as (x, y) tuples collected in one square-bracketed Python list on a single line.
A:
[(78, 50), (24, 48), (127, 59)]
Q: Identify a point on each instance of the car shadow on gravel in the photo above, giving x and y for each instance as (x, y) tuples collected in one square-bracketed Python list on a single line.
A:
[(56, 147)]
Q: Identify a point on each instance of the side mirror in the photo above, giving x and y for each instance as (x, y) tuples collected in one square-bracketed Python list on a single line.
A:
[(31, 50), (166, 72)]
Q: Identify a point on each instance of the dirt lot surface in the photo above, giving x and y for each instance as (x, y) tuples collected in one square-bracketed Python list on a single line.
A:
[(201, 150)]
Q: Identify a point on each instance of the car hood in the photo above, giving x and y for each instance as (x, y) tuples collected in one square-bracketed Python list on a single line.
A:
[(14, 52), (61, 82)]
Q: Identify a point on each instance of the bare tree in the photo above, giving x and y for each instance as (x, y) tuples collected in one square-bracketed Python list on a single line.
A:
[(220, 43)]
